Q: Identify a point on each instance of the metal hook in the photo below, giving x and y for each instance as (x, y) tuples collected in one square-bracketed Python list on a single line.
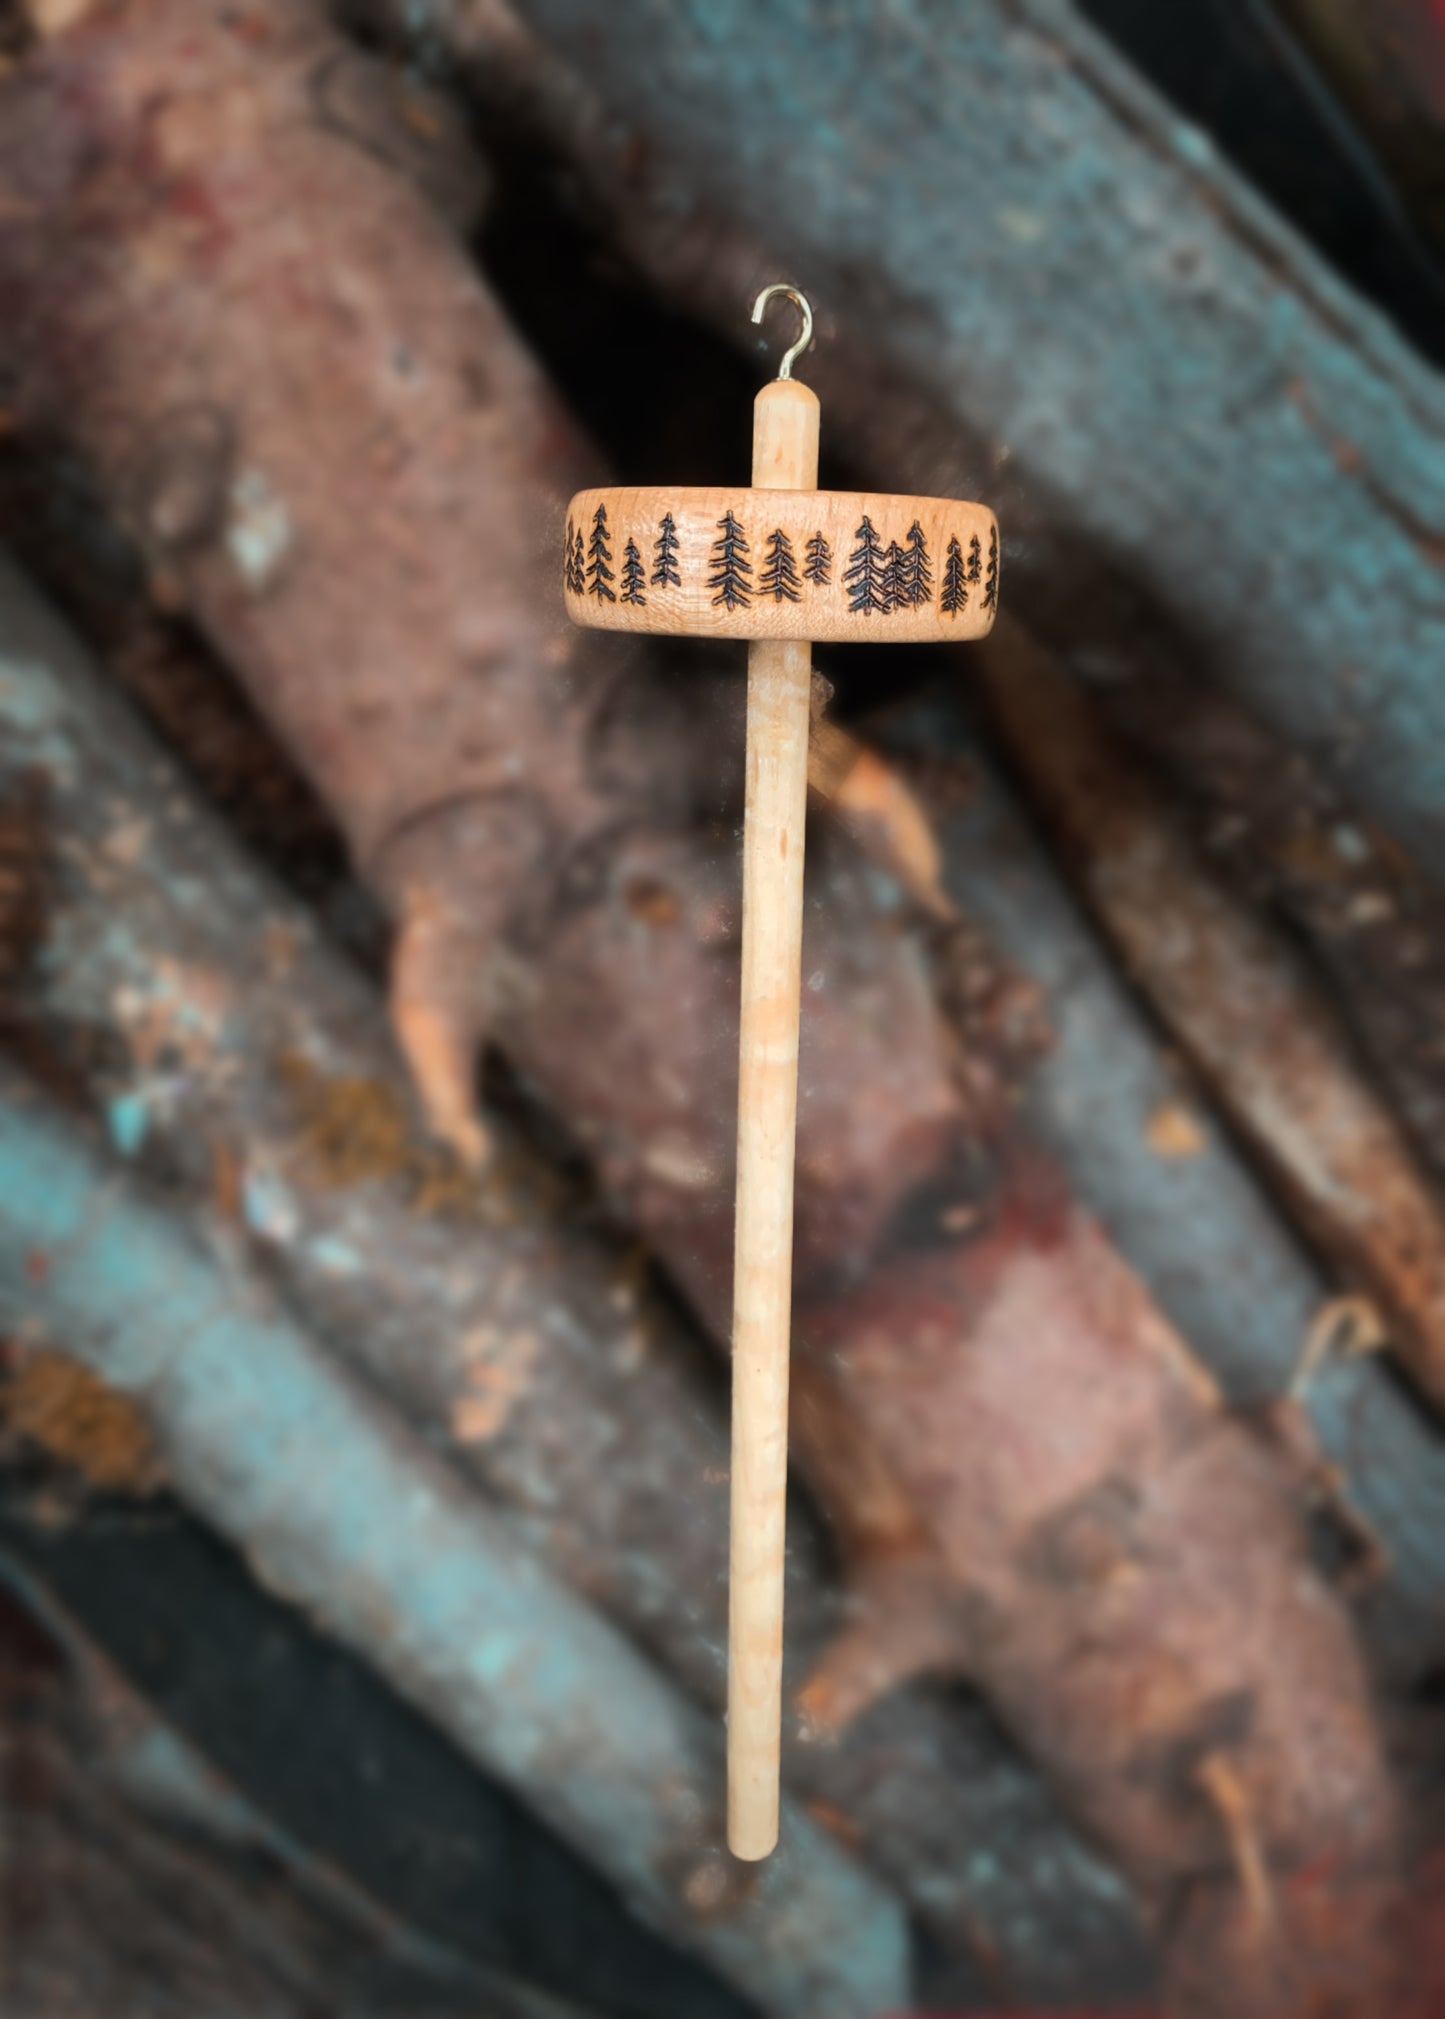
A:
[(785, 369)]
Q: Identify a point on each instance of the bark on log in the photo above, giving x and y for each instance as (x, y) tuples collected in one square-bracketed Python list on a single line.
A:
[(1191, 1736), (1260, 1036), (1196, 1225), (1200, 444), (1284, 838), (240, 1062), (352, 1518)]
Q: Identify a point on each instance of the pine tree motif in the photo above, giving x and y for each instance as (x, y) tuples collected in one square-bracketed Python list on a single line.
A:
[(818, 568), (731, 565), (599, 574), (633, 575), (975, 565), (572, 573), (955, 585), (779, 578), (579, 564), (665, 573), (863, 577), (895, 593), (990, 587), (914, 572)]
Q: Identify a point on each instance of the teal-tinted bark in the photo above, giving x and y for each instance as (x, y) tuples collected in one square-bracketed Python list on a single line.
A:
[(353, 1519)]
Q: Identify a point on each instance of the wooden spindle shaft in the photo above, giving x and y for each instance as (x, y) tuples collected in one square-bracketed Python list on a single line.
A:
[(781, 564), (785, 457)]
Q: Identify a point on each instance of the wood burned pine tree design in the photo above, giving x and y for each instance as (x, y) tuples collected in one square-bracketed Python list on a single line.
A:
[(818, 567), (731, 566), (575, 570), (914, 573), (863, 578), (990, 584), (894, 594), (975, 562), (633, 575), (599, 571), (779, 578), (954, 594), (664, 554)]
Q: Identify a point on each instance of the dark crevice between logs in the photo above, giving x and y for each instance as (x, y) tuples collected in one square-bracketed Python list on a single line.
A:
[(370, 1787)]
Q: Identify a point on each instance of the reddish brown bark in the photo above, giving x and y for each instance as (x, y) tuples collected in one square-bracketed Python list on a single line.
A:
[(350, 471), (1125, 1580)]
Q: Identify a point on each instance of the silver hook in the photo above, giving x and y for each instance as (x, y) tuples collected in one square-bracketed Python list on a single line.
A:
[(785, 369)]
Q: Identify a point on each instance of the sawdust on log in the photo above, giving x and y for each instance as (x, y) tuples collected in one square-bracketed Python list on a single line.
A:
[(55, 1404), (355, 1130), (1173, 1131)]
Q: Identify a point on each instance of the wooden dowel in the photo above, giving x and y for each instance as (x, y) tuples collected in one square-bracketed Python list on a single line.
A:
[(785, 457)]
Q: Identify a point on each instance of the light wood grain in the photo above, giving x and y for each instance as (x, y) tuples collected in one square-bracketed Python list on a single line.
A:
[(896, 570), (785, 454)]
